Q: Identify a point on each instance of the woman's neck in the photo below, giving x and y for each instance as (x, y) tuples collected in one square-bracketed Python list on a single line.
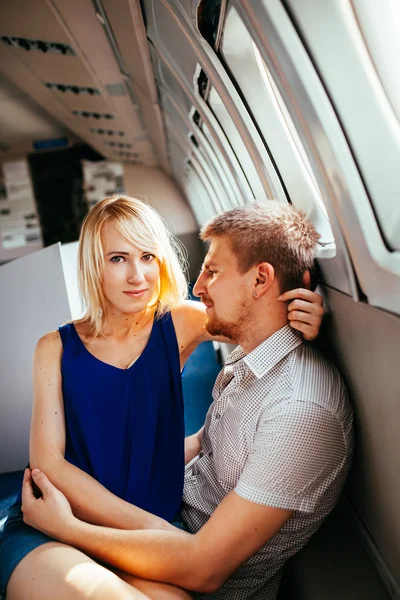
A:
[(117, 324)]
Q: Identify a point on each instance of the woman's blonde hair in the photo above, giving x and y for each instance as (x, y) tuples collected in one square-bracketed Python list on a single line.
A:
[(143, 227)]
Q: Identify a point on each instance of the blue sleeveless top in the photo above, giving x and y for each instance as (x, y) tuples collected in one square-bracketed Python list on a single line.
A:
[(125, 427)]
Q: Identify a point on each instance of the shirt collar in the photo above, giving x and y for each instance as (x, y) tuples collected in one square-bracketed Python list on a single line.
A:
[(269, 352)]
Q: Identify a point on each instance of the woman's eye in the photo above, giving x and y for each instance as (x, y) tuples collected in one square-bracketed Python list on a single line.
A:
[(117, 259), (147, 257)]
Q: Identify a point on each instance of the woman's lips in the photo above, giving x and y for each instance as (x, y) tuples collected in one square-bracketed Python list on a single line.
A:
[(135, 293)]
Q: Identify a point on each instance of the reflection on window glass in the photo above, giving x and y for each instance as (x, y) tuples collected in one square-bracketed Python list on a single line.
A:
[(289, 128)]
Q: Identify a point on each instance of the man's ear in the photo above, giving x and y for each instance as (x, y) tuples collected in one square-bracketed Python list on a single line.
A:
[(264, 278)]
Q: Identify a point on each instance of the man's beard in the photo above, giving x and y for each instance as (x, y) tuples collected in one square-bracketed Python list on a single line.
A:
[(222, 328), (232, 330)]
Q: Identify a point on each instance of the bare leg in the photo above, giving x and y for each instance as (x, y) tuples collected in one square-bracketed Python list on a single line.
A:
[(154, 589), (58, 571)]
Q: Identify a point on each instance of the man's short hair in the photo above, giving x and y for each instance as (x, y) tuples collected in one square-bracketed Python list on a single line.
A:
[(272, 232)]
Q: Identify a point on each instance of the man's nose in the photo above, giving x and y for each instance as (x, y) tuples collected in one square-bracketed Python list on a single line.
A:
[(199, 287)]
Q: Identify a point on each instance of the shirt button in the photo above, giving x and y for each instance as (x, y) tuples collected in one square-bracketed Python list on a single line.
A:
[(217, 416)]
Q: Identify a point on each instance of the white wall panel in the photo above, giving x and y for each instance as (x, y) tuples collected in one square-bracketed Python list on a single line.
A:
[(33, 301)]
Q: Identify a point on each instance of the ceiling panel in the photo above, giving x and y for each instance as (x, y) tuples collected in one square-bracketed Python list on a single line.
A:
[(94, 65)]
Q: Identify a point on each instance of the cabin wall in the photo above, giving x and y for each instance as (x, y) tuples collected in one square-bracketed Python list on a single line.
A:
[(163, 194), (363, 342)]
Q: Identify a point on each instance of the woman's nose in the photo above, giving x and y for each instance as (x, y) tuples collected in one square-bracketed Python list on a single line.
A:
[(135, 274)]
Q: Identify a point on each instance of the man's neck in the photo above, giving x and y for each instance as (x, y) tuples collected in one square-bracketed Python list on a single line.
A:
[(264, 324)]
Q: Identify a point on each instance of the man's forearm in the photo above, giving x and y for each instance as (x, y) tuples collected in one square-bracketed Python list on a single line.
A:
[(93, 503), (167, 556)]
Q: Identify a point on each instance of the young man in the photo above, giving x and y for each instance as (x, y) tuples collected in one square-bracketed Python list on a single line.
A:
[(272, 458)]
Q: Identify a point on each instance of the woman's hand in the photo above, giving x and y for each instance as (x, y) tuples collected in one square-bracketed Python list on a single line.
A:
[(51, 514), (305, 312)]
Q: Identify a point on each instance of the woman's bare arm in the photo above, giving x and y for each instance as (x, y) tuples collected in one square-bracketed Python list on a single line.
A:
[(193, 445), (90, 501)]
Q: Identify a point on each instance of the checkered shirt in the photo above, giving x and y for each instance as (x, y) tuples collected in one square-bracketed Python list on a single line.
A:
[(279, 433)]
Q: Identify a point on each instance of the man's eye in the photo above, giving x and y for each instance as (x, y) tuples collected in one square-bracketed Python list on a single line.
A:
[(117, 259)]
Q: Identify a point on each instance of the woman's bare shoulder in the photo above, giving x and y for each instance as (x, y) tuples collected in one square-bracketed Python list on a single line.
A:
[(189, 309), (49, 344), (188, 318)]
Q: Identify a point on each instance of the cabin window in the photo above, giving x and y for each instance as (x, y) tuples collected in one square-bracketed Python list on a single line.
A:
[(269, 112), (198, 193), (216, 104), (356, 51), (208, 158), (230, 195), (234, 197)]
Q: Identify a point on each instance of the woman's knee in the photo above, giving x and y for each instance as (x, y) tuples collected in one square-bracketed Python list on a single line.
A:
[(56, 570), (154, 589)]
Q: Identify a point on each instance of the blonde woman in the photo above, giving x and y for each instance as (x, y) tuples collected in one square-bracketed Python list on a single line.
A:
[(107, 424)]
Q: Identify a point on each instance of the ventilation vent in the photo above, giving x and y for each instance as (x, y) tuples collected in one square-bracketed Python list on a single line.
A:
[(116, 89), (75, 89), (37, 45), (142, 138), (107, 131), (118, 145), (92, 115), (128, 154)]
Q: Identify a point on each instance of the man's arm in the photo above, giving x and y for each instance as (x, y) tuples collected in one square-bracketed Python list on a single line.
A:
[(201, 562), (281, 471), (90, 501)]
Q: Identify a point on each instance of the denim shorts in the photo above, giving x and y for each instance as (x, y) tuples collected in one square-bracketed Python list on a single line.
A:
[(16, 541)]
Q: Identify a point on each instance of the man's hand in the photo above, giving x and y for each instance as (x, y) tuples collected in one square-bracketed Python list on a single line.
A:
[(51, 514), (305, 312)]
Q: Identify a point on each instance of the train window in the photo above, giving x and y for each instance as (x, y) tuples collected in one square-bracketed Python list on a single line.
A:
[(318, 57), (351, 58), (179, 126), (361, 76), (231, 195), (210, 166), (204, 175), (236, 198), (202, 90), (231, 132), (198, 194), (270, 112)]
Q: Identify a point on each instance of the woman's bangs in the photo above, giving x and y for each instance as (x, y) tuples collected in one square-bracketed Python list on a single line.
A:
[(139, 235)]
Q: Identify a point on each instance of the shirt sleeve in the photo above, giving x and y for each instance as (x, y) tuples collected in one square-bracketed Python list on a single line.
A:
[(295, 456)]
